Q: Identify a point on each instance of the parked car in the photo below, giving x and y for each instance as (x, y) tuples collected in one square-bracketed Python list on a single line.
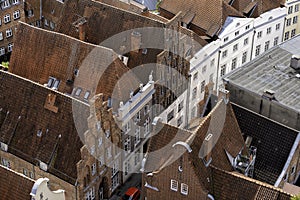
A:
[(132, 194)]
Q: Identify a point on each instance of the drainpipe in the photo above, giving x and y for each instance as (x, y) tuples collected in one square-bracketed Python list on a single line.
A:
[(252, 46), (218, 67), (188, 101)]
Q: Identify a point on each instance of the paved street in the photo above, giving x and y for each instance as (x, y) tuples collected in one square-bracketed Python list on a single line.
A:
[(134, 181)]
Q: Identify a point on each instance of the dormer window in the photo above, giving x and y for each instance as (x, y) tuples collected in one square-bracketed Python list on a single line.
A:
[(78, 91), (184, 189), (174, 185), (86, 95)]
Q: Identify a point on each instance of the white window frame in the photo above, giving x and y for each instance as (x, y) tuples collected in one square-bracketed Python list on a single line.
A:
[(269, 30), (127, 145), (6, 18), (224, 54), (137, 136), (10, 47), (147, 126), (277, 27), (257, 50), (184, 189), (259, 34), (1, 36), (14, 2), (2, 51), (16, 14), (235, 47), (276, 39), (5, 4), (202, 88), (174, 185), (233, 63), (267, 45), (244, 57), (9, 33), (223, 70)]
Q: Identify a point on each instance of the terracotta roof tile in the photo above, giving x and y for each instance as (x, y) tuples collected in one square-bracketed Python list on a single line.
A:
[(13, 185), (35, 133)]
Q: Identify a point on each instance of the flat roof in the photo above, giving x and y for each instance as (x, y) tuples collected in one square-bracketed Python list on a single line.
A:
[(272, 71)]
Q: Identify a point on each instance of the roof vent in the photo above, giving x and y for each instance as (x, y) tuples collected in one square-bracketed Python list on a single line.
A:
[(295, 62)]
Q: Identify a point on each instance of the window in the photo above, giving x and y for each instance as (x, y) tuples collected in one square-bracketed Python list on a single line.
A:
[(297, 8), (259, 34), (293, 170), (224, 54), (90, 195), (194, 94), (235, 47), (126, 128), (146, 109), (286, 35), (6, 18), (174, 185), (9, 47), (16, 14), (170, 115), (2, 51), (52, 25), (180, 106), (184, 189), (202, 86), (38, 23), (223, 70), (115, 182), (1, 36), (127, 146), (179, 121), (236, 33), (86, 95), (30, 14), (15, 2), (277, 27), (25, 172), (5, 162), (293, 32), (269, 30), (244, 57), (101, 161), (295, 20), (195, 76), (246, 41), (247, 27), (31, 175), (226, 39), (137, 136), (147, 126), (288, 22), (275, 41), (46, 22), (127, 167), (204, 69), (78, 91), (257, 50), (5, 4), (290, 9), (137, 117), (108, 152), (233, 64), (267, 44), (212, 63), (94, 169), (9, 33)]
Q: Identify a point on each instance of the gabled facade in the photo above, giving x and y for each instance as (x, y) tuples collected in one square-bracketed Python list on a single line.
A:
[(12, 11)]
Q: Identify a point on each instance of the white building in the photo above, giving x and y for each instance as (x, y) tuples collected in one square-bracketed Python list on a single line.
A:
[(135, 118)]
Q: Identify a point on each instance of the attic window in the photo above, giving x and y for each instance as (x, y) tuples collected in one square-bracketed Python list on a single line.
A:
[(184, 189), (144, 51), (226, 39), (237, 33), (174, 185), (86, 95), (39, 133), (76, 72), (78, 91), (237, 24)]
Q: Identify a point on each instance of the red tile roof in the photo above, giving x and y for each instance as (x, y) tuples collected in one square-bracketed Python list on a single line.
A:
[(14, 186)]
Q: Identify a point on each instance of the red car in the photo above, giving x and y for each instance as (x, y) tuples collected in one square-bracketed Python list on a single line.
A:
[(132, 194)]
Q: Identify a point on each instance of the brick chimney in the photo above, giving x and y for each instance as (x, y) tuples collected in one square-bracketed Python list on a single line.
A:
[(81, 30)]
